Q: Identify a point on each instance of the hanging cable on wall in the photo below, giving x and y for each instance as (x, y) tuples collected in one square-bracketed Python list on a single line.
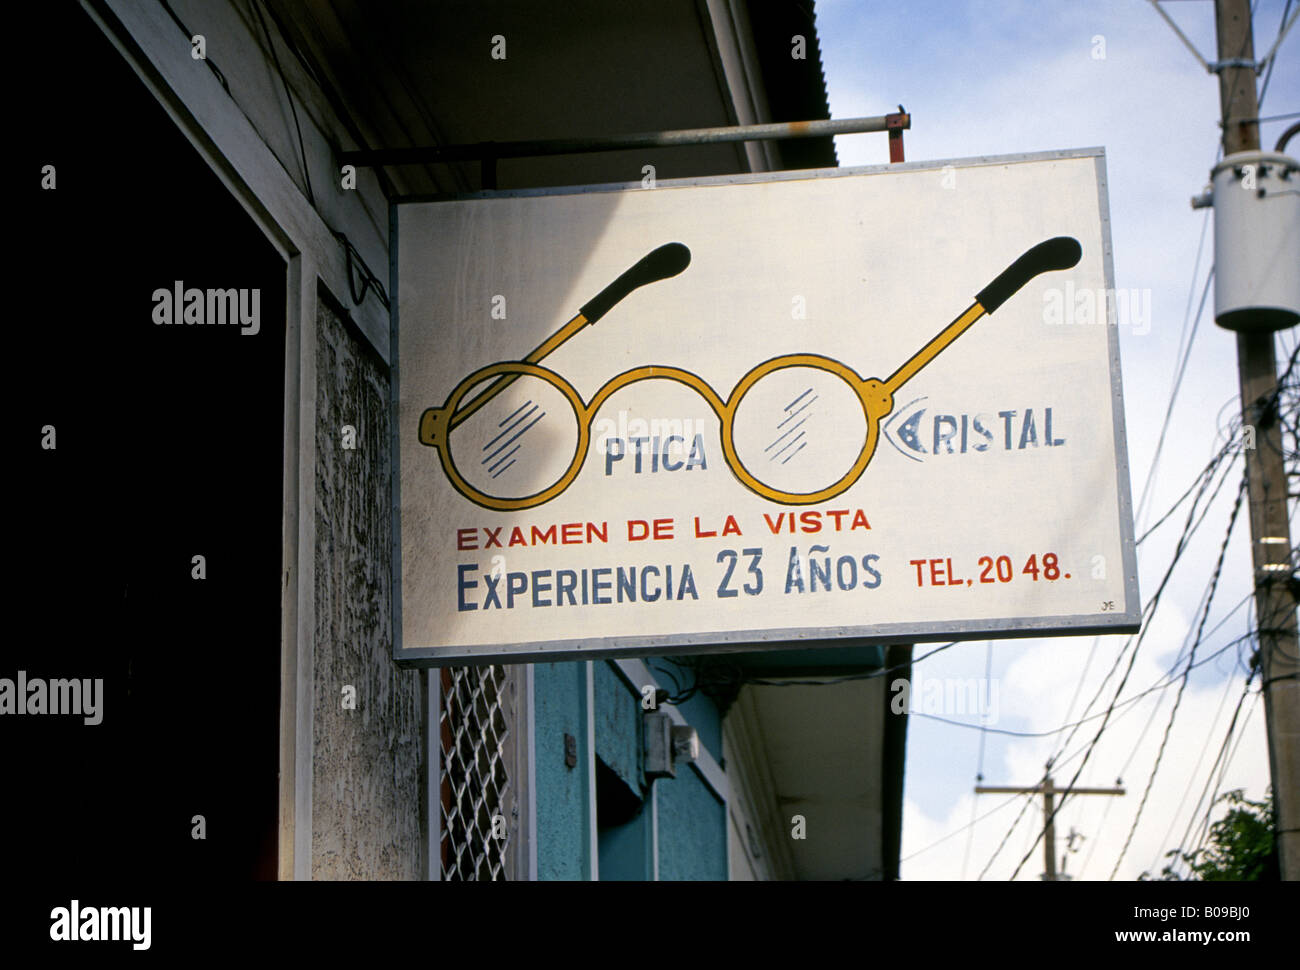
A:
[(206, 60), (368, 279)]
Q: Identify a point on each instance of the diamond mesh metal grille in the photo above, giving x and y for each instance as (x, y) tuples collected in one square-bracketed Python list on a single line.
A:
[(479, 730)]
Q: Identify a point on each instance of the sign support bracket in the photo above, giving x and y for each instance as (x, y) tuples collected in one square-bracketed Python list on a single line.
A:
[(489, 152)]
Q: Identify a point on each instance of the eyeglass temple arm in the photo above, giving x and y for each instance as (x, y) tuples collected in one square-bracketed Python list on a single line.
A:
[(1061, 252), (659, 264)]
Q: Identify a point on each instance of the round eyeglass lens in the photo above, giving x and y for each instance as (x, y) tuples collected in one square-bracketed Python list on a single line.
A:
[(799, 429), (518, 442)]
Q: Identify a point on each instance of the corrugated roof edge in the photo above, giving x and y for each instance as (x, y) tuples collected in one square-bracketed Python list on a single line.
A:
[(795, 88)]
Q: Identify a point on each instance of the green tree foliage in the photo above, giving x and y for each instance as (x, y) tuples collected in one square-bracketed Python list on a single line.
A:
[(1240, 847)]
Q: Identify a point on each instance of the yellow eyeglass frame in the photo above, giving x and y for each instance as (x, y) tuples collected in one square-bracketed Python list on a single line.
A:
[(876, 396)]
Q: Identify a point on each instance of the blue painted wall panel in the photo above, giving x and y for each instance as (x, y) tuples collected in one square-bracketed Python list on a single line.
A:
[(692, 821), (625, 850), (692, 829), (618, 726), (563, 816)]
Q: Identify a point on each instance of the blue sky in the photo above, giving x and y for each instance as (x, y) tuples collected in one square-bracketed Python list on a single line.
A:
[(985, 78)]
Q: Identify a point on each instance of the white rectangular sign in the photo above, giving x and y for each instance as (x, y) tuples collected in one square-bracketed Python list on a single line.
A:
[(736, 413)]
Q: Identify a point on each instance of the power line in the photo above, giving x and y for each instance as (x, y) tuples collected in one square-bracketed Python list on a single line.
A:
[(1199, 487), (1190, 527), (1206, 473), (1191, 778), (1209, 780), (1182, 687), (1181, 369), (959, 831), (1029, 800), (1177, 853), (979, 768), (1268, 75), (1223, 771), (1160, 685), (1137, 643)]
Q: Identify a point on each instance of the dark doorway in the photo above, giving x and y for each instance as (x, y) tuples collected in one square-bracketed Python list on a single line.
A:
[(623, 835), (169, 446)]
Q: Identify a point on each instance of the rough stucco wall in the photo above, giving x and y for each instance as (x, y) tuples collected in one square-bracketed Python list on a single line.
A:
[(692, 829), (559, 692), (366, 763), (618, 724)]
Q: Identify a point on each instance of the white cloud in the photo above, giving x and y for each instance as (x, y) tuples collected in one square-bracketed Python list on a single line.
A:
[(1022, 77)]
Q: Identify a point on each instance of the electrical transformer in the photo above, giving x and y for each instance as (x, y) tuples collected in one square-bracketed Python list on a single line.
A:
[(1256, 198)]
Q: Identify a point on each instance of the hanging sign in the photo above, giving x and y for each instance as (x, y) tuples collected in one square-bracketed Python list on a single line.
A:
[(736, 413)]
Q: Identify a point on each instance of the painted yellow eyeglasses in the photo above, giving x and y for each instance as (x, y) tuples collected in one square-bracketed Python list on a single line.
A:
[(790, 428)]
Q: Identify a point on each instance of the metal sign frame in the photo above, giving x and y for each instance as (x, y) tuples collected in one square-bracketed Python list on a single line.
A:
[(1125, 620)]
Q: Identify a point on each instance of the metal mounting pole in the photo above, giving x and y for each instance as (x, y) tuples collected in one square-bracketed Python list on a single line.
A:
[(893, 123)]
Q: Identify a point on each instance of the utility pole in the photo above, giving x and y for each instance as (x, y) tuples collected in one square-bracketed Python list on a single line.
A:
[(1049, 791), (1275, 602)]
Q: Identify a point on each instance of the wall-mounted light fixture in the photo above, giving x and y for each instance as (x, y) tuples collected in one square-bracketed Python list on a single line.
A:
[(667, 745)]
